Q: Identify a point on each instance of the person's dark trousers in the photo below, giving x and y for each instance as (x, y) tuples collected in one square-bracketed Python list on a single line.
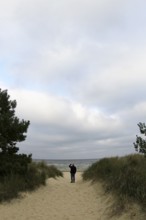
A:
[(72, 177)]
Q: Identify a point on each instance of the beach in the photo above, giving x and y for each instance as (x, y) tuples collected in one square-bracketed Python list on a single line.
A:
[(62, 200)]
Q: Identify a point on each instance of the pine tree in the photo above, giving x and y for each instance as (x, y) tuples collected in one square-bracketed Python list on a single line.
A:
[(12, 130), (140, 144)]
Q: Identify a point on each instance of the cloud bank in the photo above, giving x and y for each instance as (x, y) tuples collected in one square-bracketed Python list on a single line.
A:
[(77, 72)]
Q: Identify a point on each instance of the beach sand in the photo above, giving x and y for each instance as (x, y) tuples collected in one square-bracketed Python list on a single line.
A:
[(62, 200)]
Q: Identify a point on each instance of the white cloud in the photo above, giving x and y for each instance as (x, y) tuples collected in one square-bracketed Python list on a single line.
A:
[(77, 71)]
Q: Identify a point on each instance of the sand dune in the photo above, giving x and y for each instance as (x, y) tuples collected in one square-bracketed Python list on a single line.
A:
[(62, 200)]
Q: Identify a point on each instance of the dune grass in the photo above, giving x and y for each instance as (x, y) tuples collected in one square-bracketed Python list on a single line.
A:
[(125, 176), (37, 173)]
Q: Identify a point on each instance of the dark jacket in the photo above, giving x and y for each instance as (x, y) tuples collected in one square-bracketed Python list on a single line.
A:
[(73, 168)]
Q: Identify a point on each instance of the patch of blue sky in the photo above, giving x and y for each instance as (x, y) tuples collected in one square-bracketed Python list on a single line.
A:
[(58, 88), (4, 74)]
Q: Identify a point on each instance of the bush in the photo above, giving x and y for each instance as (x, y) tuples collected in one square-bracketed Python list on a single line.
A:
[(9, 187), (14, 163), (36, 175)]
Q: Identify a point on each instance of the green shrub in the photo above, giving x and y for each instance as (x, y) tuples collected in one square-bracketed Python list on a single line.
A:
[(35, 175), (9, 187), (14, 163)]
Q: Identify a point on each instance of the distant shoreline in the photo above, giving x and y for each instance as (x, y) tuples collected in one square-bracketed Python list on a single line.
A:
[(62, 165)]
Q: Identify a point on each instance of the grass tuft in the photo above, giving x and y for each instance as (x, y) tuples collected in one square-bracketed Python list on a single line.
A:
[(125, 176), (37, 173)]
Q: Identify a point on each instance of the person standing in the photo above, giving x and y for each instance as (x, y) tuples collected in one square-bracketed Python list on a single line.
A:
[(73, 171)]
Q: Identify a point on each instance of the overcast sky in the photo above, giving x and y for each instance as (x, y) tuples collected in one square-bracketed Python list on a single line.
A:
[(77, 69)]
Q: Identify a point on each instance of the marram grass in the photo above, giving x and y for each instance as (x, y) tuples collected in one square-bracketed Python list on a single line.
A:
[(36, 175), (125, 176)]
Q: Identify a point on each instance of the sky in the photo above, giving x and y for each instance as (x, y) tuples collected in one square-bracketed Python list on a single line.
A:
[(77, 69)]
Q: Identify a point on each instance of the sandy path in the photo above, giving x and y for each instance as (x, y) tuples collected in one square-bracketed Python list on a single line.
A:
[(62, 200)]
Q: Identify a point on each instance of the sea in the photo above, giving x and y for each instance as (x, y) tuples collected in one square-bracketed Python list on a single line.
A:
[(63, 165)]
